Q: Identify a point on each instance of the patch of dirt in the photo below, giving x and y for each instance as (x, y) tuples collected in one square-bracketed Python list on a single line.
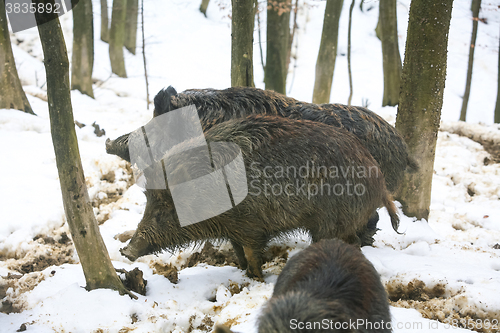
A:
[(55, 253), (274, 255), (206, 324), (438, 303), (235, 288), (12, 302), (169, 271), (111, 191), (213, 257)]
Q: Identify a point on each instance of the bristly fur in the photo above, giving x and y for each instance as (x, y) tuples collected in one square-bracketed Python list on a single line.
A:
[(273, 142), (381, 139), (329, 280)]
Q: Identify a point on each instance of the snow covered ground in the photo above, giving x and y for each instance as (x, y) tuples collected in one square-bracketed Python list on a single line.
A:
[(447, 268)]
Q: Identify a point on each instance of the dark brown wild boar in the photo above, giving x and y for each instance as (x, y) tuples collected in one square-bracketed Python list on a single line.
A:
[(300, 175)]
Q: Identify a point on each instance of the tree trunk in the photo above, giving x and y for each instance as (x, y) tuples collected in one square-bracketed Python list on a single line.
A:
[(12, 95), (497, 106), (131, 25), (476, 5), (325, 64), (204, 6), (421, 98), (390, 52), (349, 53), (242, 25), (144, 55), (97, 267), (83, 48), (104, 21), (278, 36), (117, 37)]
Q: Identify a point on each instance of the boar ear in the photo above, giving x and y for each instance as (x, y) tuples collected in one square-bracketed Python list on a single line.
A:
[(163, 100), (222, 329)]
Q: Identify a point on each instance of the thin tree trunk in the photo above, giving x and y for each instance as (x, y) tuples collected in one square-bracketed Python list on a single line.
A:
[(421, 98), (497, 106), (204, 6), (260, 35), (117, 37), (242, 25), (278, 36), (96, 264), (104, 21), (476, 5), (12, 95), (144, 54), (390, 52), (82, 62), (349, 53), (131, 25), (292, 34), (325, 64)]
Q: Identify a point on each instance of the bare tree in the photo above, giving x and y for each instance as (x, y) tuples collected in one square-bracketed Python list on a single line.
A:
[(104, 21), (12, 95), (96, 264), (131, 25), (421, 98), (497, 106), (204, 6), (144, 55), (349, 53), (278, 37), (242, 24), (325, 64), (82, 62), (117, 37), (388, 21), (476, 5)]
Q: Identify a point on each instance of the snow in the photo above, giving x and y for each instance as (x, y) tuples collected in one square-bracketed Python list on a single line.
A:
[(454, 250)]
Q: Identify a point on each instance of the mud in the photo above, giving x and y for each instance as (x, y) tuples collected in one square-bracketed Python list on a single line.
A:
[(169, 271), (442, 304), (273, 256), (111, 191)]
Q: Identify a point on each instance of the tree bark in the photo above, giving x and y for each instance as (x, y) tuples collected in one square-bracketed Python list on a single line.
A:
[(117, 37), (104, 21), (131, 25), (421, 98), (497, 106), (83, 48), (96, 264), (12, 95), (242, 25), (349, 53), (204, 6), (278, 37), (476, 5), (390, 52), (325, 64), (144, 55)]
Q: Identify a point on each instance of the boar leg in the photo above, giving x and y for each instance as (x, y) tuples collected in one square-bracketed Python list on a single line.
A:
[(254, 259), (240, 253)]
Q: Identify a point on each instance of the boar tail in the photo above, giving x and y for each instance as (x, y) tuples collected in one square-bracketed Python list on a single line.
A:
[(391, 208)]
